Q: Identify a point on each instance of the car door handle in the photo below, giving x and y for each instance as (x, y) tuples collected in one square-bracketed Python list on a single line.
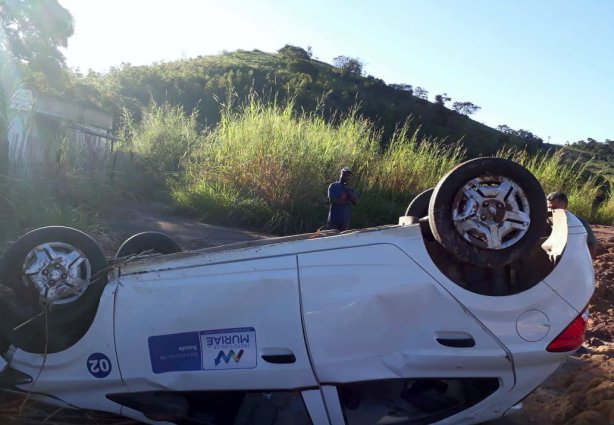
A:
[(278, 356), (455, 339), (456, 343)]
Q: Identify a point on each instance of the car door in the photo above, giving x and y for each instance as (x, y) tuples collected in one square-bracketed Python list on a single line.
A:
[(378, 325), (217, 327)]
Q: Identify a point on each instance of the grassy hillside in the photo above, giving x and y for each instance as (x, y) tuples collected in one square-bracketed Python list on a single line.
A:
[(253, 137), (265, 164), (596, 164), (268, 166), (212, 83)]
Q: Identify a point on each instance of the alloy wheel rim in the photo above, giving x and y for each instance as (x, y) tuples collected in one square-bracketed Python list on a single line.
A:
[(59, 272), (491, 212)]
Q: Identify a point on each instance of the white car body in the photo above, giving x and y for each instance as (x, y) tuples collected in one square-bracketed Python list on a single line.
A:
[(368, 305)]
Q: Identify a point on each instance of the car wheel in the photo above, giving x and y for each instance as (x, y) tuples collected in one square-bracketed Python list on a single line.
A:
[(488, 211), (52, 279), (148, 242), (419, 206)]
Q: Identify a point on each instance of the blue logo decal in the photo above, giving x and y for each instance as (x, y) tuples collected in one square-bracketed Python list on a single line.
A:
[(175, 352), (227, 357), (217, 349), (99, 365)]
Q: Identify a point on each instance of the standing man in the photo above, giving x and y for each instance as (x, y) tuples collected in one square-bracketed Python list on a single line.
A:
[(558, 200), (340, 196)]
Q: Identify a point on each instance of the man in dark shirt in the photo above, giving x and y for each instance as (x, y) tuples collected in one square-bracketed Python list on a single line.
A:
[(341, 195), (558, 200)]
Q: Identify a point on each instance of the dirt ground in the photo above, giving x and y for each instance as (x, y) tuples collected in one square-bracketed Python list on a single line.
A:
[(124, 219), (580, 392)]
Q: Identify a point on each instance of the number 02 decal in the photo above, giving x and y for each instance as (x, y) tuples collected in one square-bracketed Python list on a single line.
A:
[(99, 365)]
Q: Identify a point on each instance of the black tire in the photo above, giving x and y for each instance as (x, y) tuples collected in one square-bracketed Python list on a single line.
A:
[(419, 206), (446, 194), (60, 325), (154, 242)]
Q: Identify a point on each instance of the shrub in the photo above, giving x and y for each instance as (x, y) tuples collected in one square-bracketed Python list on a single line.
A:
[(162, 139)]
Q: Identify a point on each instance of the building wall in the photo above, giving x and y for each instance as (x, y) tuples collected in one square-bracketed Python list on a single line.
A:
[(40, 134)]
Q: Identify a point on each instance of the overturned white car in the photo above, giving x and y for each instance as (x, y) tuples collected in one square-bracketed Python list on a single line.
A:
[(452, 316)]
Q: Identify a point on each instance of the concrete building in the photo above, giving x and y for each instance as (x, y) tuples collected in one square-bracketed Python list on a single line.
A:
[(44, 130)]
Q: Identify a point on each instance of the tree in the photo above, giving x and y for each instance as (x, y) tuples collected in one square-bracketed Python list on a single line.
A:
[(33, 32), (443, 113), (403, 87), (442, 99), (305, 67), (525, 135), (293, 52), (529, 138), (421, 93), (465, 108), (599, 150), (503, 128), (349, 66)]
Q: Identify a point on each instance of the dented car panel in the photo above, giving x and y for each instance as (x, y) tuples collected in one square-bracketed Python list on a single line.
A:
[(376, 321), (249, 310)]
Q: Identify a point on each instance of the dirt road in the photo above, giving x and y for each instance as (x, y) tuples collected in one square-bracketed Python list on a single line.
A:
[(124, 219)]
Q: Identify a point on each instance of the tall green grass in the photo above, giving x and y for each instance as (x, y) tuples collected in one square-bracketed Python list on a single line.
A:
[(556, 173), (161, 140), (27, 205), (270, 166), (69, 192), (605, 211), (266, 165), (410, 165)]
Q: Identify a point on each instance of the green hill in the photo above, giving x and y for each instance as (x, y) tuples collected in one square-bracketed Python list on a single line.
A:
[(205, 83), (279, 126)]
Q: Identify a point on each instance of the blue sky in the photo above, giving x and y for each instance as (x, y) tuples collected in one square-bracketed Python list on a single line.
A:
[(543, 66)]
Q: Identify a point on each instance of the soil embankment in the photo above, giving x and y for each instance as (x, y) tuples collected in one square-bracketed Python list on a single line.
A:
[(582, 391)]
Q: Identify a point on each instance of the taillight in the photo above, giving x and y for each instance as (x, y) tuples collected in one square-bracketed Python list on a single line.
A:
[(572, 336)]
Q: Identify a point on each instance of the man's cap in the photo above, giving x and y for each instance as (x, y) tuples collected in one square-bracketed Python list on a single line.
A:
[(346, 170)]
